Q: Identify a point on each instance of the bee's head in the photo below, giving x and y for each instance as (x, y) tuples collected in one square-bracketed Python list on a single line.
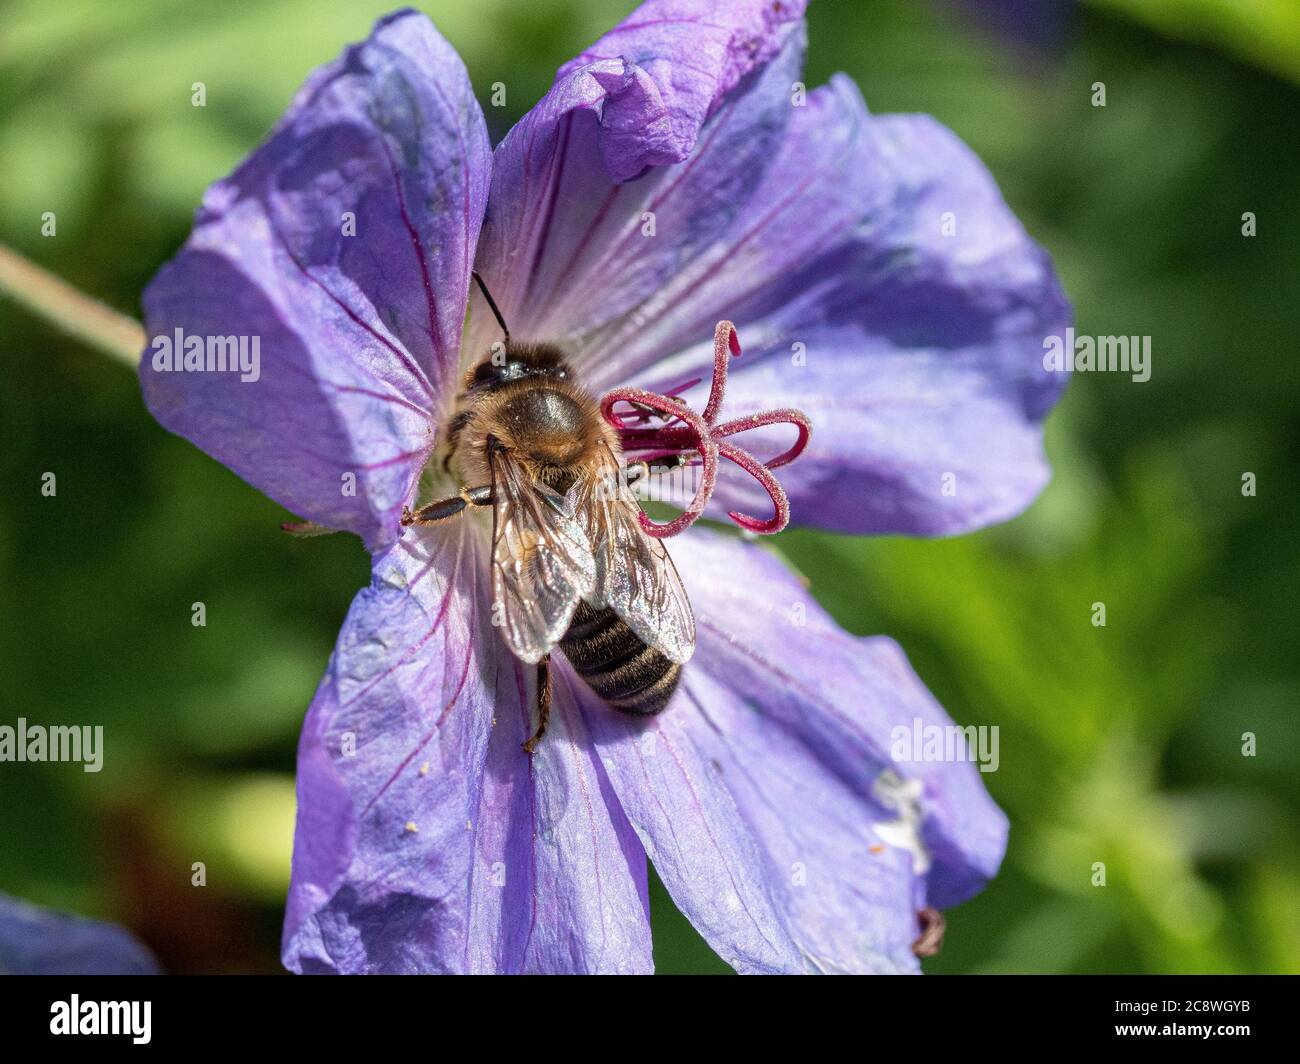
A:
[(510, 362)]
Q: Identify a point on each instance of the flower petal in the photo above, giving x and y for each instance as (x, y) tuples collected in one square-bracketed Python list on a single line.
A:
[(695, 51), (427, 840), (343, 244), (36, 941), (554, 844), (766, 796), (565, 217), (917, 356), (878, 280)]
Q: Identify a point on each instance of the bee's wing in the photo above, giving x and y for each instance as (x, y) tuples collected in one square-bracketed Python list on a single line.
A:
[(541, 560), (635, 577)]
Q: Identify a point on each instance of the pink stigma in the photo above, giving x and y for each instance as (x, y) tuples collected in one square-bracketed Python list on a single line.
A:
[(683, 431)]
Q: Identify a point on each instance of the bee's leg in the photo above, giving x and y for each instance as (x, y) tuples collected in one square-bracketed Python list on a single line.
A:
[(543, 703), (932, 924), (445, 508), (640, 470), (454, 429), (306, 528)]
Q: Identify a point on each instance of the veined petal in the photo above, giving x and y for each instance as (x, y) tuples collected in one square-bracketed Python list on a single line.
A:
[(708, 855), (766, 795), (880, 284), (390, 769), (427, 840), (903, 441), (560, 876), (565, 217), (878, 280), (36, 941), (343, 245)]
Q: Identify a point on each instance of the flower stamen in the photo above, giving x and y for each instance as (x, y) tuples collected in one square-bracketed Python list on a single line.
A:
[(684, 432)]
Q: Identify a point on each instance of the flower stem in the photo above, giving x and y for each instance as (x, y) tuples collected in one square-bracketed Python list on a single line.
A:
[(69, 310)]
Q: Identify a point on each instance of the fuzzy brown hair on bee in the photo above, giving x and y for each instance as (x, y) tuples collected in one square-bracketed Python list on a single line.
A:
[(523, 399), (572, 569)]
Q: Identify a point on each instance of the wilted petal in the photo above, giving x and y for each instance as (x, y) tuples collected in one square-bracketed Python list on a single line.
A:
[(427, 840), (766, 795), (36, 941), (566, 219), (695, 51), (344, 244)]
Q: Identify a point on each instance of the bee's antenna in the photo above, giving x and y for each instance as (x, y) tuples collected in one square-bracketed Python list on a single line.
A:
[(496, 313)]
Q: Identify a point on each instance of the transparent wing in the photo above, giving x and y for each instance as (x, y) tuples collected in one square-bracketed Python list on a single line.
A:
[(634, 575), (541, 560)]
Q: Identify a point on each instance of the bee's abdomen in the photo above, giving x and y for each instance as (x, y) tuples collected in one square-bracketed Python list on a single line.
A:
[(616, 664)]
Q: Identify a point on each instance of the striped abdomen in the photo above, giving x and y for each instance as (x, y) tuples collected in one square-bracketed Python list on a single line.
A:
[(615, 663)]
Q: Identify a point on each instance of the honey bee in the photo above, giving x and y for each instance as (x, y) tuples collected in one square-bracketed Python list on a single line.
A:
[(571, 566)]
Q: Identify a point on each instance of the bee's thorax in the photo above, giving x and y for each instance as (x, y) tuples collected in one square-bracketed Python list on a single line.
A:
[(546, 424), (526, 400)]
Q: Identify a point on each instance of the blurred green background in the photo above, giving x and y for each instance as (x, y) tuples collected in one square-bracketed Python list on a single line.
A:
[(1119, 744)]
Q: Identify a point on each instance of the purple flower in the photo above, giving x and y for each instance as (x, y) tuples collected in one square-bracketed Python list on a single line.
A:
[(35, 941), (675, 175)]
